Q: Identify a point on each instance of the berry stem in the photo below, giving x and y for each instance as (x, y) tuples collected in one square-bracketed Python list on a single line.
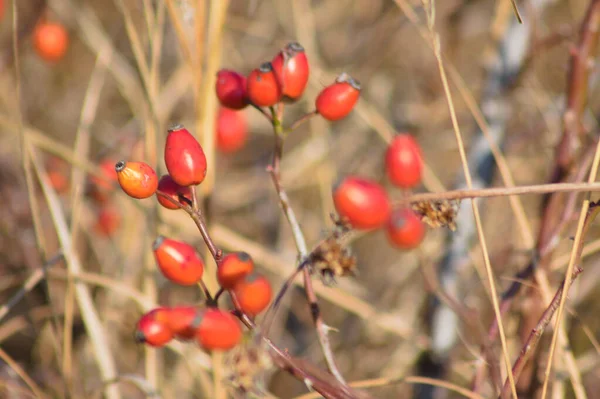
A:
[(274, 170), (196, 215), (262, 111), (301, 120)]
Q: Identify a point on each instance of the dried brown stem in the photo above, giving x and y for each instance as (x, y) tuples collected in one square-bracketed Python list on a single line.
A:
[(504, 191), (320, 326), (535, 335)]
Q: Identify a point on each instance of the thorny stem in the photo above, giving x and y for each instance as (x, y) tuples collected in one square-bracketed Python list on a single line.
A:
[(300, 241)]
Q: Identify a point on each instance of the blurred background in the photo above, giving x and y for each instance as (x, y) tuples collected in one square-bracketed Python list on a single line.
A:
[(134, 67)]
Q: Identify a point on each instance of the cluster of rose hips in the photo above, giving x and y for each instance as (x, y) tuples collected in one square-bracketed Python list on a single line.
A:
[(284, 79), (365, 204), (179, 262)]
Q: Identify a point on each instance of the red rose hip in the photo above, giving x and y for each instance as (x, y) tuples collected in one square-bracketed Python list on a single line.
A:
[(363, 202), (167, 186), (336, 101), (404, 229), (231, 129), (403, 162), (253, 293), (183, 321), (218, 330), (231, 89), (178, 261), (137, 179), (292, 69), (153, 329), (184, 157), (233, 268), (263, 86)]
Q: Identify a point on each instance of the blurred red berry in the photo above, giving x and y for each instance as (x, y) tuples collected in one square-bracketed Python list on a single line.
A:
[(292, 69), (51, 41), (108, 220), (363, 202), (231, 89), (58, 181), (153, 329), (253, 293), (405, 229), (178, 261), (102, 187), (263, 86), (137, 179), (233, 268), (403, 161), (167, 186), (184, 157), (218, 330), (337, 100), (232, 130), (183, 321)]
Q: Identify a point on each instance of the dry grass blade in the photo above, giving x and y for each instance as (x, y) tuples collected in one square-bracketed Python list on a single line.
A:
[(22, 374), (430, 8), (102, 351)]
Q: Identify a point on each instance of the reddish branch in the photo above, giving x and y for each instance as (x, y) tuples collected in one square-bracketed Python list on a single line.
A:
[(556, 215), (536, 334)]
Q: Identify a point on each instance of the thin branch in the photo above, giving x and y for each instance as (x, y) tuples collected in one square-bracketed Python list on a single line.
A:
[(505, 191), (320, 326)]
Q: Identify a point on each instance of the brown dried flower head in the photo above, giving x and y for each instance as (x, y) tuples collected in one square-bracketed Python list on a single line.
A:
[(246, 366), (439, 213)]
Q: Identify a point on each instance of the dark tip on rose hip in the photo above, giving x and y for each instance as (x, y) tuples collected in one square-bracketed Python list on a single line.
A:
[(139, 337), (294, 47), (158, 242), (266, 67), (244, 257), (119, 166), (176, 126), (345, 78)]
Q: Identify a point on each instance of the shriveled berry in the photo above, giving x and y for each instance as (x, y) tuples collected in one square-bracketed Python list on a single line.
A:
[(232, 130), (218, 330), (363, 202), (231, 89), (153, 329), (263, 87), (253, 293), (336, 101), (404, 229), (178, 261), (167, 186), (51, 41), (233, 268), (292, 69), (184, 321), (184, 157), (403, 161), (137, 179)]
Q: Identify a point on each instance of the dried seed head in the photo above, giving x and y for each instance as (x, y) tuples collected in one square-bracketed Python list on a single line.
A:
[(246, 367), (438, 214), (332, 259)]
